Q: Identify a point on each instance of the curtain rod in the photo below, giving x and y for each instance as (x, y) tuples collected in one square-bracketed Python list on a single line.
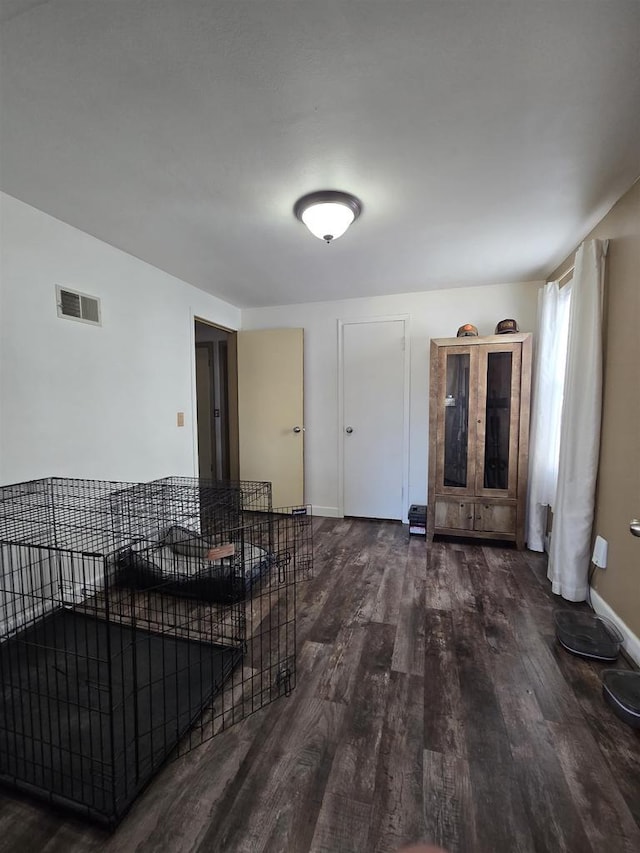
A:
[(569, 271), (565, 275)]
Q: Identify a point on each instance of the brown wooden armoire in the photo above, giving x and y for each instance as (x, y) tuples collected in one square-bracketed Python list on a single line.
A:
[(479, 436)]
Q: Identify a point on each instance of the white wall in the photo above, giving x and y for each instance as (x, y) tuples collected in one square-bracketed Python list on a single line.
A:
[(82, 401), (432, 314)]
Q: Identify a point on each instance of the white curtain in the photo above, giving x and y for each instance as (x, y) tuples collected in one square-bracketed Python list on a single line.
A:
[(548, 392), (569, 554)]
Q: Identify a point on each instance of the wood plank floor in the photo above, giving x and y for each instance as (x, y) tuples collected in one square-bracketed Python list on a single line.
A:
[(433, 704)]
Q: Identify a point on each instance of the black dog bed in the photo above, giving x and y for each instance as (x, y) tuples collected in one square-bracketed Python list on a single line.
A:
[(90, 710), (178, 565)]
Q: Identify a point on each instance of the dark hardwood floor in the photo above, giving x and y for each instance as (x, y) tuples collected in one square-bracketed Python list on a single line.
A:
[(433, 703)]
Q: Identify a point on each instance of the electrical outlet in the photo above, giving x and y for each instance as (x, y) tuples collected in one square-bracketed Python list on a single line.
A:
[(180, 419), (600, 550)]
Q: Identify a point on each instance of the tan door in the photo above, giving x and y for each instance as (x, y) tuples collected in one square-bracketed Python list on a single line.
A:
[(270, 411)]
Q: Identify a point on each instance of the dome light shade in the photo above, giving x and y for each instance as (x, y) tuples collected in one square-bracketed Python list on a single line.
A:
[(328, 213), (327, 220)]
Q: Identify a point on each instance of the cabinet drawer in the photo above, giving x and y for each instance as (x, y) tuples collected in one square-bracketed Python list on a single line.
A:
[(454, 515), (495, 518)]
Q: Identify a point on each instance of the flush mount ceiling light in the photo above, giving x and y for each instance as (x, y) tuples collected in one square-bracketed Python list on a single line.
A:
[(328, 213)]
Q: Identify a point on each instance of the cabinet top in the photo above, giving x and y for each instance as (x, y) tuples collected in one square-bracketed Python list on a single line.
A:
[(472, 340)]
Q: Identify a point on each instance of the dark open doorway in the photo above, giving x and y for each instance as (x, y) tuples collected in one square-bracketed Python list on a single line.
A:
[(217, 401)]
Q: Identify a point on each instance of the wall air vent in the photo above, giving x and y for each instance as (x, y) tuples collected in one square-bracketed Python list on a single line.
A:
[(73, 305)]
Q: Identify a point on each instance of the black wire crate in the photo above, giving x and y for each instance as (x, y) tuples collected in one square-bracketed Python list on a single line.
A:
[(136, 622)]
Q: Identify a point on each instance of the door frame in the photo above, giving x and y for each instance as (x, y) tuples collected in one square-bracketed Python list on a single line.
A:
[(406, 320), (233, 393), (213, 448)]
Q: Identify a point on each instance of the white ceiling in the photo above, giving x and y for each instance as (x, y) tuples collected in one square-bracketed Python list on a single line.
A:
[(485, 138)]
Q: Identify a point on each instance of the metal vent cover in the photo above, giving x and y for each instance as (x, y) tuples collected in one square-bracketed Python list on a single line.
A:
[(73, 305)]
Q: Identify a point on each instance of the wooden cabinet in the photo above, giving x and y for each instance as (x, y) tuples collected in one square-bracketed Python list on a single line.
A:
[(478, 436)]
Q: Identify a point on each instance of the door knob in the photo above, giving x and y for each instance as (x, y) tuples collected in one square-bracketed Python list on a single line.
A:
[(298, 429), (349, 430), (634, 527)]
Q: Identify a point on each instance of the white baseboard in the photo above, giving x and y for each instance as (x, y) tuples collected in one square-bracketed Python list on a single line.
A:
[(334, 512), (326, 511), (631, 641)]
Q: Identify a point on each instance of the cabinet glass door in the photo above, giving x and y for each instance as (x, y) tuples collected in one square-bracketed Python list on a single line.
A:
[(497, 420), (498, 409), (456, 421)]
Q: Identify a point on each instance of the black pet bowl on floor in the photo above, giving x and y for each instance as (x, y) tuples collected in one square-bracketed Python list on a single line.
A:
[(621, 689), (588, 635)]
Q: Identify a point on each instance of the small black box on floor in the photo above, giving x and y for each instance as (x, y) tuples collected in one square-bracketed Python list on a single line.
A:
[(418, 519)]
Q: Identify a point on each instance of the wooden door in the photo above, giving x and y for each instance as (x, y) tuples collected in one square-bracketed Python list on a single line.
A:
[(454, 514), (495, 517), (270, 411)]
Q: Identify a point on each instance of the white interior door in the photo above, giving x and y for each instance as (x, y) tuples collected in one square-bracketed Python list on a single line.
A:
[(373, 429), (270, 411)]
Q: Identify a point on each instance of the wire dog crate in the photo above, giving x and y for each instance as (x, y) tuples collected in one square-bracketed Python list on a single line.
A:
[(136, 622)]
